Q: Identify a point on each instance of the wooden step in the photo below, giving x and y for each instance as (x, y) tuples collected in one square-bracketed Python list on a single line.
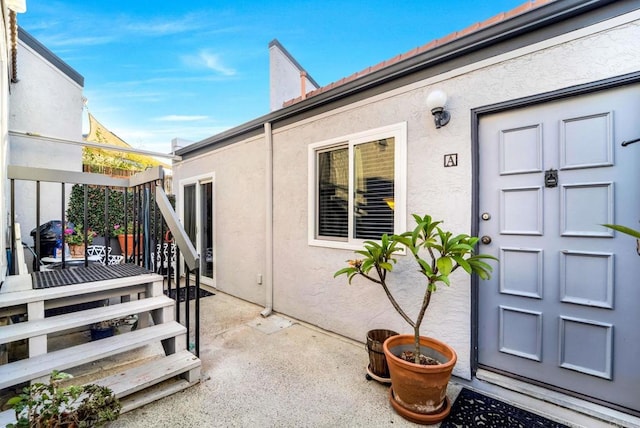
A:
[(142, 385), (12, 298), (153, 393), (42, 365), (151, 373), (129, 403), (25, 330)]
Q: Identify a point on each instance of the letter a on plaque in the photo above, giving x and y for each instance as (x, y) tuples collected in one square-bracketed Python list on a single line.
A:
[(450, 160)]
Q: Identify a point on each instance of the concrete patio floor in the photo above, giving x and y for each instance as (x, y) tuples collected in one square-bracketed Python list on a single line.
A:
[(278, 372)]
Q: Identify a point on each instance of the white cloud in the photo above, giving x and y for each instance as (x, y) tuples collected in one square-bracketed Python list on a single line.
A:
[(180, 118), (163, 27), (62, 40), (207, 59)]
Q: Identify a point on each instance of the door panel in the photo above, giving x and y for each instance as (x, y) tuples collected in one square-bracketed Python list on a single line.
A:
[(562, 306)]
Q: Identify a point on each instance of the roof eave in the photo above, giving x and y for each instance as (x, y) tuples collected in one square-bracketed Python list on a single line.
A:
[(55, 60), (540, 17)]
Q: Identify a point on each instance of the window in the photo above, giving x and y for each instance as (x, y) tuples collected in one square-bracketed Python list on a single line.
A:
[(356, 187)]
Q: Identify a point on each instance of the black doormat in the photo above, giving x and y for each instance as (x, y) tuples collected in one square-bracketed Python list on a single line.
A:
[(472, 409), (183, 292)]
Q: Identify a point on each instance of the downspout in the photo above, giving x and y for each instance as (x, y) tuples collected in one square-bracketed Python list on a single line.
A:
[(268, 277)]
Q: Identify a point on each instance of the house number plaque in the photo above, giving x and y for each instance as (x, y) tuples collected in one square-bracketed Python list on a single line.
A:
[(450, 160)]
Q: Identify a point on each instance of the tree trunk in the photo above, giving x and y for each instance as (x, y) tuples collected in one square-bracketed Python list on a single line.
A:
[(416, 343)]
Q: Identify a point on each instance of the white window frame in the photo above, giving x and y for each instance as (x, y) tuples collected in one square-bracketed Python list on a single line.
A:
[(397, 131)]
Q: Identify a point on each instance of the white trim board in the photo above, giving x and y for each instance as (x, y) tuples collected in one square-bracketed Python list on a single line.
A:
[(552, 404)]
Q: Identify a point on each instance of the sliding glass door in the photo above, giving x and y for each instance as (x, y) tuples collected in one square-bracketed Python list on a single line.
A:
[(197, 215)]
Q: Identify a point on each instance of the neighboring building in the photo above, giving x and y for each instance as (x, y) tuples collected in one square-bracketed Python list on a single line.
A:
[(46, 100), (115, 164), (9, 39), (548, 90)]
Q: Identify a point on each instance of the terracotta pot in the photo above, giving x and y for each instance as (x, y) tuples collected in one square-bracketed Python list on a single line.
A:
[(129, 241), (76, 250), (420, 390)]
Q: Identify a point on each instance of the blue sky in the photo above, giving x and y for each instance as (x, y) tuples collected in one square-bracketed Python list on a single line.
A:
[(155, 70)]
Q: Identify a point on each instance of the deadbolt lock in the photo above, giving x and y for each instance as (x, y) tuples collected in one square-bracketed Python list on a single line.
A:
[(485, 216), (486, 240)]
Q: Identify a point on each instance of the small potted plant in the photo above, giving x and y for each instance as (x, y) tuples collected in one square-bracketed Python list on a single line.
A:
[(74, 237), (103, 329), (53, 405), (124, 233), (420, 367)]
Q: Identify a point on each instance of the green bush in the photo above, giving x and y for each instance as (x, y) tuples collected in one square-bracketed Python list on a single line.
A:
[(96, 207)]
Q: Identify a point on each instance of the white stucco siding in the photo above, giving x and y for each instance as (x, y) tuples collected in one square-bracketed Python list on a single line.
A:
[(238, 214), (47, 102), (4, 137), (303, 275)]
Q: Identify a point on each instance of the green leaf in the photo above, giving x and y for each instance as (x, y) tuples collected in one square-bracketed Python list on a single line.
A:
[(425, 267), (623, 229), (13, 401), (463, 263), (444, 278), (343, 271), (462, 248), (477, 264), (363, 253), (483, 274), (367, 265), (385, 266), (444, 265)]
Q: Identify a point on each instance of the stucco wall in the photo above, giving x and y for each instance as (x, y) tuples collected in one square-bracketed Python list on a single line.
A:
[(303, 275), (238, 214), (4, 137), (304, 284), (47, 102)]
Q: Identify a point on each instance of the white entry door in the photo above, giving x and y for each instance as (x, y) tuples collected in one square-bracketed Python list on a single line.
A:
[(563, 307)]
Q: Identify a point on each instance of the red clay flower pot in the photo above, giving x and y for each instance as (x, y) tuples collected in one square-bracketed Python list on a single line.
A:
[(130, 243), (418, 392)]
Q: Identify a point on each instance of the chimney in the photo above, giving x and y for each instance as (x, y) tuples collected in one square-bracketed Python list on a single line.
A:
[(303, 84)]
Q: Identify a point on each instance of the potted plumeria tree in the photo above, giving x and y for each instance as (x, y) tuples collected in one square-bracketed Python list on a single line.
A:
[(420, 367)]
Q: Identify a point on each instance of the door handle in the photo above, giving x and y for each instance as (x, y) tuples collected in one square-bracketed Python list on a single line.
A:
[(626, 143), (486, 240)]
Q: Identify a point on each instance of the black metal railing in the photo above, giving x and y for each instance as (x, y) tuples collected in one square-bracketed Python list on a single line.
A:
[(159, 242)]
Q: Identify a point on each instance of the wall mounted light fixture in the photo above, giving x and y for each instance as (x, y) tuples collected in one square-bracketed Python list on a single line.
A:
[(435, 102)]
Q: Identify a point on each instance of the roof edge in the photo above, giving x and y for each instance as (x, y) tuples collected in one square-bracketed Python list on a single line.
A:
[(284, 50), (43, 51)]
